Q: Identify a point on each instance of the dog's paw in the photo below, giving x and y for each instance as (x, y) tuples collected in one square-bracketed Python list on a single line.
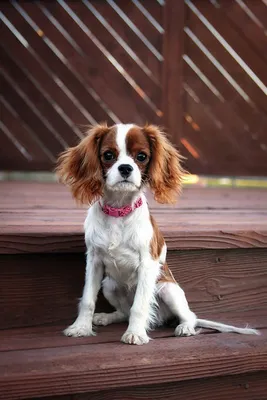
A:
[(101, 319), (184, 330), (134, 338), (79, 330)]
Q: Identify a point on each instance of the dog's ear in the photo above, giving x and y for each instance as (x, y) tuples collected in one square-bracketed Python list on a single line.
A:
[(165, 171), (79, 167)]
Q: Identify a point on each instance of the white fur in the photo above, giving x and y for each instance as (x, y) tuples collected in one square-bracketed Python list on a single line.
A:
[(114, 179), (120, 247)]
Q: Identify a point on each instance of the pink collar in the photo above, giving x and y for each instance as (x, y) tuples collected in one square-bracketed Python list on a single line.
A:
[(123, 211)]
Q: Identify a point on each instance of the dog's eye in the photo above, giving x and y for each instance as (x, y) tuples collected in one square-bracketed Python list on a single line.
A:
[(109, 155), (141, 156)]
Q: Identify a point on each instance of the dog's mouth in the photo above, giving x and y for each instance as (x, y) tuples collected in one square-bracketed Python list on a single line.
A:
[(124, 185)]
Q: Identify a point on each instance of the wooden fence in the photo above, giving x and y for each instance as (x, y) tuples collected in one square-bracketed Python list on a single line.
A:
[(199, 67)]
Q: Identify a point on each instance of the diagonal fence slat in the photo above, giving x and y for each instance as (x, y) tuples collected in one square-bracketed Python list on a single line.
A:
[(128, 35), (199, 67), (91, 63), (224, 115), (225, 89), (10, 118), (128, 10), (154, 9), (10, 155), (253, 33), (36, 94), (234, 39), (73, 81), (258, 9), (29, 114), (142, 80), (207, 127), (42, 72), (198, 32)]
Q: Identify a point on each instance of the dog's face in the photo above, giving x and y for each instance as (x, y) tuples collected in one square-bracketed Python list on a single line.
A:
[(125, 156), (122, 158)]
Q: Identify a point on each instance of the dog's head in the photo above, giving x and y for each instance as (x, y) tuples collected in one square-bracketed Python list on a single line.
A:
[(122, 158)]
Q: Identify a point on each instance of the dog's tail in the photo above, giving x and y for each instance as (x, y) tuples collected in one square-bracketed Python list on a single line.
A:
[(204, 323)]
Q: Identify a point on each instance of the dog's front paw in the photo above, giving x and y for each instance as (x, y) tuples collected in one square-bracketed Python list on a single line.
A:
[(184, 330), (135, 338), (101, 319), (79, 330)]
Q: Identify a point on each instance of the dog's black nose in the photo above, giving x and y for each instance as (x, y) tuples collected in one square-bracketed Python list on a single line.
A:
[(125, 170)]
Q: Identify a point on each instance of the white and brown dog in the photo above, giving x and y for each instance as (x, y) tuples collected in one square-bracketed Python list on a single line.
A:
[(126, 252)]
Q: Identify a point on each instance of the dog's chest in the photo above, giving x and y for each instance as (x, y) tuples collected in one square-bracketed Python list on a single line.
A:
[(121, 254), (119, 244)]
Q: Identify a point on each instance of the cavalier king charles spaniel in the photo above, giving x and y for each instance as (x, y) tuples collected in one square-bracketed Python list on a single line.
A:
[(126, 252)]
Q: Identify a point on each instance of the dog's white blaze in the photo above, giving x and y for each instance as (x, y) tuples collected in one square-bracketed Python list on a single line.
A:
[(122, 130)]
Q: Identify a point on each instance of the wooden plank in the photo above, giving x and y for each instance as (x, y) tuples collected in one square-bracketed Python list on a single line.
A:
[(253, 120), (234, 38), (51, 336), (136, 72), (233, 125), (10, 155), (42, 73), (239, 387), (49, 59), (183, 234), (154, 9), (259, 9), (30, 116), (96, 70), (136, 44), (41, 195), (223, 57), (141, 23), (252, 117), (36, 93), (230, 152), (63, 370), (39, 222), (38, 289), (22, 133), (254, 33), (173, 47)]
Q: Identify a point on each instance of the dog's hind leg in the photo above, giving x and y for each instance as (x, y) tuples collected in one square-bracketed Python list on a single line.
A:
[(116, 298), (174, 297)]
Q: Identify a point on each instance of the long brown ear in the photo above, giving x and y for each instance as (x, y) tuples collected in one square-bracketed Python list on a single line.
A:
[(165, 170), (79, 167)]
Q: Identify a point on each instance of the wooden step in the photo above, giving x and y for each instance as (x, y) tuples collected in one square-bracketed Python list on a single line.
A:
[(217, 241), (41, 217), (42, 362)]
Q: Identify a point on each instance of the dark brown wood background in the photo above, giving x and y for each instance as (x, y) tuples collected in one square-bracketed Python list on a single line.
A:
[(197, 67)]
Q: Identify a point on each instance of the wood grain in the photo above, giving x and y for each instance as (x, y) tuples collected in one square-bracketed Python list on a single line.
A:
[(39, 289), (173, 48), (239, 387), (51, 335), (43, 218), (72, 369)]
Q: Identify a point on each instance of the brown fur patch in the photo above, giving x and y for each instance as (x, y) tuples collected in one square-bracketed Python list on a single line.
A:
[(157, 241), (136, 142), (108, 143), (79, 167), (165, 170), (156, 246)]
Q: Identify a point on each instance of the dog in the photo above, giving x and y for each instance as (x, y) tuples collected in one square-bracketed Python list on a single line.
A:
[(109, 170)]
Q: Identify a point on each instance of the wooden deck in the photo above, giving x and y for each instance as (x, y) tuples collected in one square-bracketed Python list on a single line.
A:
[(217, 241)]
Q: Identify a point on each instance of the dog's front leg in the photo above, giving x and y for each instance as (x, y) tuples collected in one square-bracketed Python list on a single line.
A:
[(141, 313), (93, 278)]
